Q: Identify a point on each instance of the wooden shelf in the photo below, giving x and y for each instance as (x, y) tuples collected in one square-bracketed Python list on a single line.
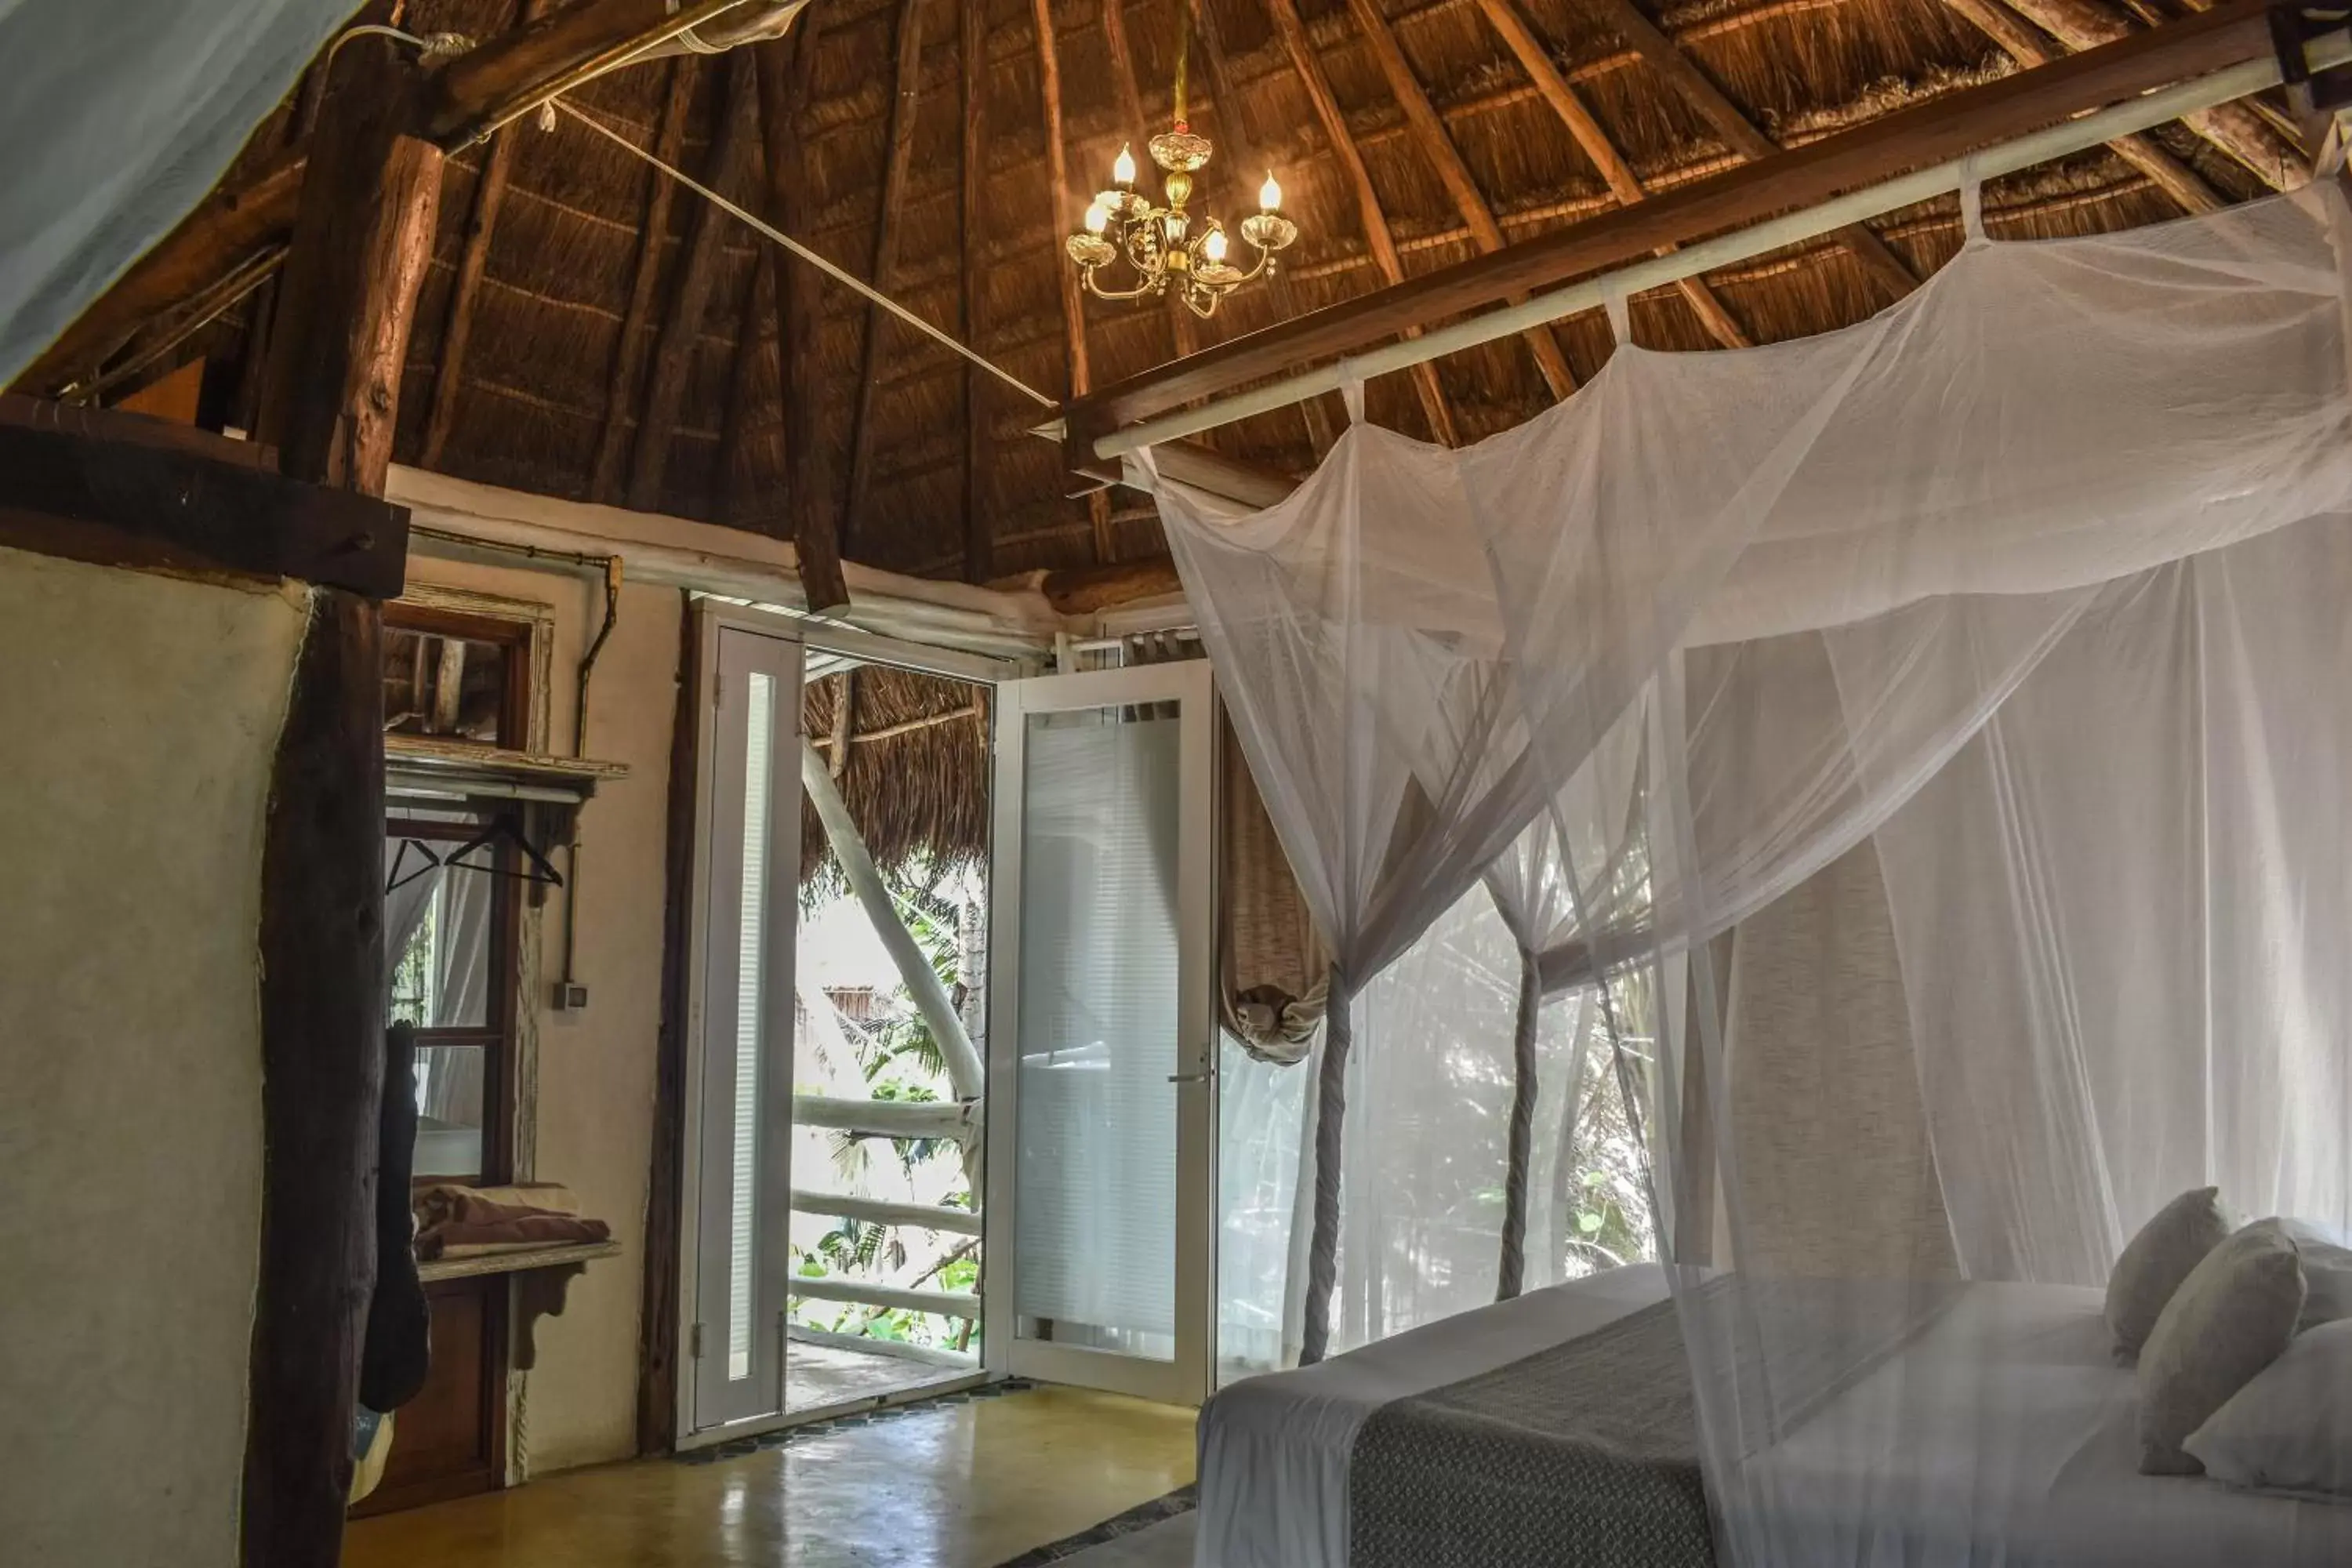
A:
[(515, 1262), (439, 765)]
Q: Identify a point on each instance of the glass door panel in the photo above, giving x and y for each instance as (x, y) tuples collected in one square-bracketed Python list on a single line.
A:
[(1103, 1032)]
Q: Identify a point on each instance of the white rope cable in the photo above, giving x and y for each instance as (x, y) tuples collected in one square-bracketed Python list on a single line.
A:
[(811, 257)]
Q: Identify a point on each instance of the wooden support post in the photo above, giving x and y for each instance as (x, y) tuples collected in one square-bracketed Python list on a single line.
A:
[(1434, 407), (730, 162), (787, 72), (845, 722), (1429, 134), (481, 223), (629, 344), (905, 98), (979, 537), (362, 243)]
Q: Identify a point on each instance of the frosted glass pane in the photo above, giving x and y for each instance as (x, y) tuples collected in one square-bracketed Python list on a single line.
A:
[(750, 972), (1096, 1181)]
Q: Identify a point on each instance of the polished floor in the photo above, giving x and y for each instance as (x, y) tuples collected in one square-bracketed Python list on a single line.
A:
[(947, 1485)]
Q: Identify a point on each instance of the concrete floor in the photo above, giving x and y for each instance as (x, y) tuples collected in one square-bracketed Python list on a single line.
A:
[(949, 1486), (817, 1376)]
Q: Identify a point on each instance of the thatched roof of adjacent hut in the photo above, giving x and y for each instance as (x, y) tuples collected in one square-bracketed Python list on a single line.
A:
[(912, 765), (1409, 133)]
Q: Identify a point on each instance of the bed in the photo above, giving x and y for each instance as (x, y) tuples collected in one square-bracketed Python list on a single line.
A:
[(1284, 1458)]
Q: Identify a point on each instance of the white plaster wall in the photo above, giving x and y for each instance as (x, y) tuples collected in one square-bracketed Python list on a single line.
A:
[(139, 717), (595, 1081)]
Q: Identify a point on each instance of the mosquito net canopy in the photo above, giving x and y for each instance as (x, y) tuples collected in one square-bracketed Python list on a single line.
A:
[(1922, 754)]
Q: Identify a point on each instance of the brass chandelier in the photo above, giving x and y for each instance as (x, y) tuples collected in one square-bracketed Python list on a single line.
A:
[(1164, 248)]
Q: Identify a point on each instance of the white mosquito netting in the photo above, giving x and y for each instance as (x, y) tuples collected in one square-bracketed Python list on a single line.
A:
[(1925, 749)]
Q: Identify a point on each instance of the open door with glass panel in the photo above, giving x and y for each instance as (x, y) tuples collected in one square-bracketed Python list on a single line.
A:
[(1101, 1039), (735, 1248)]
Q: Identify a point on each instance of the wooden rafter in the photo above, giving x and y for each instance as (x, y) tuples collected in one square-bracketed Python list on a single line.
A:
[(726, 170), (1935, 131), (1429, 134), (2020, 42), (2234, 128), (1073, 309), (905, 96), (1241, 153), (787, 73), (1293, 32), (973, 179), (628, 344), (1585, 129), (759, 310), (456, 333), (1650, 43), (1180, 323)]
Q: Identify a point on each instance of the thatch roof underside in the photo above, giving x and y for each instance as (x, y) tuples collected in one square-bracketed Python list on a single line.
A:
[(912, 767), (581, 278)]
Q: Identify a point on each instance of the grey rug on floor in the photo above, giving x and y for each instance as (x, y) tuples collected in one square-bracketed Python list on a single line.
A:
[(1156, 1534)]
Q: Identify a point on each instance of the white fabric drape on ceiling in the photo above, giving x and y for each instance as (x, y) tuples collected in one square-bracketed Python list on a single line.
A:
[(1979, 669), (118, 117)]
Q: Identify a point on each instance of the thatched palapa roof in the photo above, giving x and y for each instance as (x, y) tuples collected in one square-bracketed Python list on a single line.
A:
[(912, 766), (589, 329)]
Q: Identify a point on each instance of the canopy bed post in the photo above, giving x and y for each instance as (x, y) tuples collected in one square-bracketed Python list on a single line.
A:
[(362, 243), (1511, 1272), (1330, 1113)]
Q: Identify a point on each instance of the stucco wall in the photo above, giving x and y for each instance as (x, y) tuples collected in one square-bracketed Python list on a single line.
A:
[(139, 717), (595, 1073)]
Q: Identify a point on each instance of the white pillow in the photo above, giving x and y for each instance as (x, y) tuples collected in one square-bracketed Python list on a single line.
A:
[(2326, 1268), (2156, 1260), (2290, 1429)]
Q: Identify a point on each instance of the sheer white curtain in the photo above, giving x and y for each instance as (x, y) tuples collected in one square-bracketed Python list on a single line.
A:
[(1987, 661)]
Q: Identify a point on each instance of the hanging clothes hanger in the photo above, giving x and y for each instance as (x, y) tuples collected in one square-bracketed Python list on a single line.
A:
[(502, 830), (401, 875)]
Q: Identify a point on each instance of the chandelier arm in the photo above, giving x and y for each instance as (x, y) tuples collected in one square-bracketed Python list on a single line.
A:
[(1116, 295)]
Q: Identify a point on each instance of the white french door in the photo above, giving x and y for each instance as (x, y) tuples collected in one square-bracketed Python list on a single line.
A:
[(1101, 1039), (735, 1247)]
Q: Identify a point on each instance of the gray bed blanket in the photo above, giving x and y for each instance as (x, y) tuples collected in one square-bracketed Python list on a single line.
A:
[(1586, 1455), (1583, 1456)]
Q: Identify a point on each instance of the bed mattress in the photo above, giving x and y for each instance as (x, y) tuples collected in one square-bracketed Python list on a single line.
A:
[(2003, 1433)]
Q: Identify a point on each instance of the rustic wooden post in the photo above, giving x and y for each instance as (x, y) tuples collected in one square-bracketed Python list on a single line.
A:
[(361, 240)]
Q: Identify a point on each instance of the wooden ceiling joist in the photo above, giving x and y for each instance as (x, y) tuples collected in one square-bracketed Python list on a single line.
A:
[(1074, 307), (1429, 134), (905, 103), (1377, 236), (629, 343), (1935, 131), (1671, 59), (2023, 43)]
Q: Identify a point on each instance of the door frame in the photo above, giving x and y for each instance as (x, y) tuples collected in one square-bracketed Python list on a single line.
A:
[(714, 619), (1190, 1377)]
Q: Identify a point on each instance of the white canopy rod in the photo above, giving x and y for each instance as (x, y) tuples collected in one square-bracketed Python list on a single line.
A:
[(2055, 142)]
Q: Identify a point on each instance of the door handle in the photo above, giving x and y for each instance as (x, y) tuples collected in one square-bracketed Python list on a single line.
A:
[(1201, 1077)]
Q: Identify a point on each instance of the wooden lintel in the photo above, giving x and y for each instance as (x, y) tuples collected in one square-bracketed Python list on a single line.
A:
[(1926, 134), (905, 102), (121, 503), (708, 227)]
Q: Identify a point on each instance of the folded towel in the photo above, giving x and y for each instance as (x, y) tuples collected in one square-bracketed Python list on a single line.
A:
[(466, 1222)]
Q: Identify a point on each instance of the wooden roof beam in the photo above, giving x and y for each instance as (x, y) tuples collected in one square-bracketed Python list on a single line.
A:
[(2019, 39), (905, 101), (457, 332), (2234, 128), (1586, 132), (1293, 32), (628, 353), (972, 177), (1073, 309), (787, 72), (1429, 134), (1921, 136), (1650, 43)]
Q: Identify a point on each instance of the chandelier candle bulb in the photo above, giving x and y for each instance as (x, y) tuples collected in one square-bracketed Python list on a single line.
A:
[(1269, 195), (1122, 168)]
